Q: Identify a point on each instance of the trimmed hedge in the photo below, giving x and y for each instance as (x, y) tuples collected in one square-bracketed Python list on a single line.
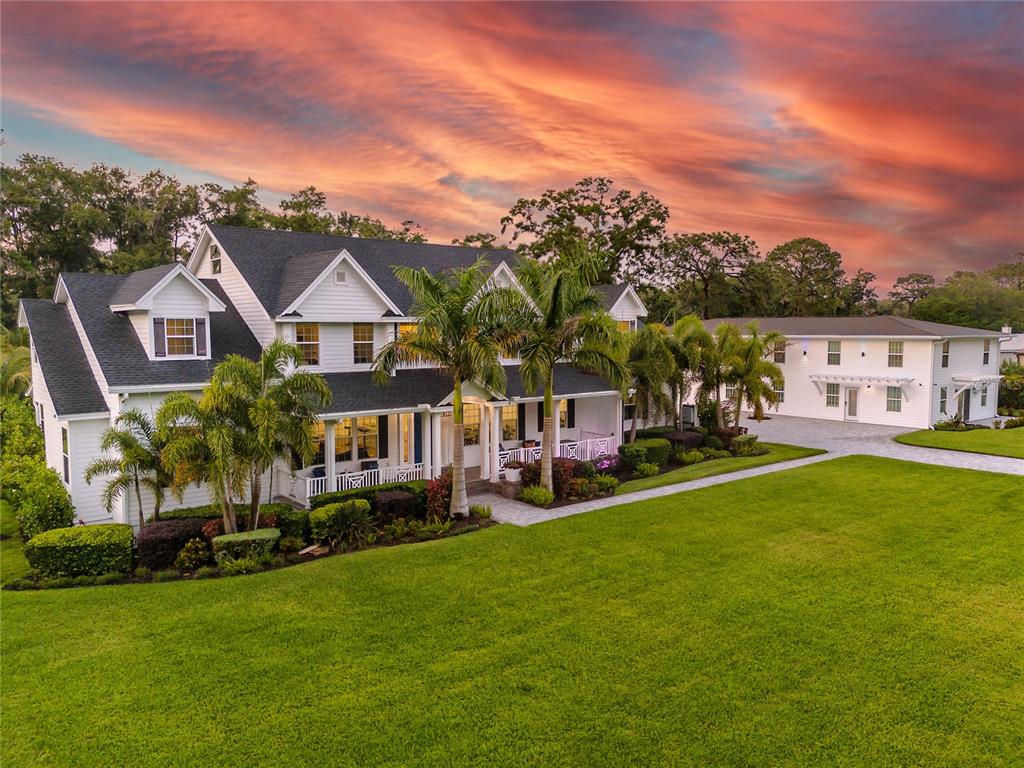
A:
[(745, 445), (347, 521), (654, 432), (656, 450), (417, 488), (160, 542), (392, 504), (687, 439), (293, 523), (85, 550), (258, 544), (38, 496)]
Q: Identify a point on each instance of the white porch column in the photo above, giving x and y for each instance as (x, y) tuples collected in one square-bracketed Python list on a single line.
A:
[(492, 458), (329, 468), (485, 441), (426, 444), (401, 442), (556, 426), (619, 415), (435, 443)]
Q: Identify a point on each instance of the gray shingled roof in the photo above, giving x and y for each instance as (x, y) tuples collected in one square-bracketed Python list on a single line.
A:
[(69, 379), (138, 284), (279, 265), (120, 353), (568, 381), (877, 325), (610, 293)]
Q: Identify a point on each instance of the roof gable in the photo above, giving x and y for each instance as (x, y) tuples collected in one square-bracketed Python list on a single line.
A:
[(358, 294), (139, 289)]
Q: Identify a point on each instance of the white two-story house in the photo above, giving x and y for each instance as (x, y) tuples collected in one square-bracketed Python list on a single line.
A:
[(108, 343), (882, 369)]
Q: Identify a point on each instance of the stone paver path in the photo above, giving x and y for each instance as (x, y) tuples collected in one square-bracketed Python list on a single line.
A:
[(838, 438)]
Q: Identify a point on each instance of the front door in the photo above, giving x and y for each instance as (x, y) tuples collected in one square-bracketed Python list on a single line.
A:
[(965, 405), (851, 403)]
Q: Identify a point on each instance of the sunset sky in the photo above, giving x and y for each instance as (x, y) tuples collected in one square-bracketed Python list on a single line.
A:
[(895, 132)]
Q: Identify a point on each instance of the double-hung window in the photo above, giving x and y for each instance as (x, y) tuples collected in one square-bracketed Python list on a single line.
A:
[(945, 354), (780, 393), (834, 352), (509, 422), (65, 450), (985, 353), (831, 395), (627, 325), (779, 352), (984, 396), (730, 392), (367, 437), (895, 354), (362, 343), (893, 399), (181, 335), (471, 424), (943, 398), (215, 261), (307, 336)]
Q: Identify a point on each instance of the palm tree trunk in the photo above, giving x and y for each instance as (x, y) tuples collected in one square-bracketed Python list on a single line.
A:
[(138, 500), (156, 507), (227, 508), (547, 438), (739, 404), (255, 486), (460, 502)]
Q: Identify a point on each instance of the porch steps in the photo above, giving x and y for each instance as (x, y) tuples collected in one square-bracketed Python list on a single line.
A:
[(475, 487)]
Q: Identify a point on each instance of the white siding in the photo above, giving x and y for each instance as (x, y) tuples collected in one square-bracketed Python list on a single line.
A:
[(336, 353), (965, 361), (141, 323), (626, 308), (355, 299), (180, 298), (241, 295), (84, 436), (50, 426)]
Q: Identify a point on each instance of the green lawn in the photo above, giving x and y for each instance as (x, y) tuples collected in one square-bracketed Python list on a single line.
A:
[(777, 452), (12, 559), (996, 442), (855, 612)]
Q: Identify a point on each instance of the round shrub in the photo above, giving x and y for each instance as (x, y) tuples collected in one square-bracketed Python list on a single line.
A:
[(605, 483), (632, 454), (89, 550), (657, 450), (687, 439), (347, 523), (20, 436), (537, 495), (646, 470), (686, 458), (159, 543), (713, 441), (258, 544), (744, 445), (584, 469), (293, 523), (38, 496)]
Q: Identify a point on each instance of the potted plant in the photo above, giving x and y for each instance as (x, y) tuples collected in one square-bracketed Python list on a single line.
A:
[(513, 471)]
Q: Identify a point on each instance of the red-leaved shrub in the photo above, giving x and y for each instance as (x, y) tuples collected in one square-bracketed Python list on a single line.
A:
[(562, 471), (439, 497)]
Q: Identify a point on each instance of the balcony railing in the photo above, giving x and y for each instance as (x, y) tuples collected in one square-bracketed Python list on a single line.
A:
[(302, 489)]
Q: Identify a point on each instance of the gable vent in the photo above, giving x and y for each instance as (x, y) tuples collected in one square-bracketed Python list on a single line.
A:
[(339, 277)]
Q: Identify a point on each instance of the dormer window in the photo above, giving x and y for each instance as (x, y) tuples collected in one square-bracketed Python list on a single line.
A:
[(215, 265), (179, 336)]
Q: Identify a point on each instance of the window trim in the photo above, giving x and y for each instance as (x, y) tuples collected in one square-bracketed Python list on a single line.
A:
[(945, 354), (362, 453), (216, 260), (625, 326), (779, 353), (943, 399), (838, 352), (895, 353), (831, 397), (168, 336), (475, 422), (358, 346), (65, 449), (984, 396), (506, 420), (898, 400), (313, 345), (986, 351), (780, 394)]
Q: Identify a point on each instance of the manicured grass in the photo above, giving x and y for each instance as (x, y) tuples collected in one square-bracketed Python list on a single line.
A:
[(855, 612), (777, 452), (995, 442), (12, 556)]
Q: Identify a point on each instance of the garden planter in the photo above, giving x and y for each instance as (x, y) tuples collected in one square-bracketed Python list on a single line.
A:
[(513, 475)]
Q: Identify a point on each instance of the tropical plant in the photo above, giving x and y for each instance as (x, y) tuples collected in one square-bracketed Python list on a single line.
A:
[(709, 354), (136, 464), (755, 377), (465, 327), (202, 444), (567, 323), (15, 361), (652, 368), (274, 406)]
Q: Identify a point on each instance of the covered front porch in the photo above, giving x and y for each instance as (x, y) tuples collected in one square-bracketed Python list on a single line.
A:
[(359, 450)]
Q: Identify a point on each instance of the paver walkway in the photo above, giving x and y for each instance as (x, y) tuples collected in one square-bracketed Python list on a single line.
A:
[(838, 438)]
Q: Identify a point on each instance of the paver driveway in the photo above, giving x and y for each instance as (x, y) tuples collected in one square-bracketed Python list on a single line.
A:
[(839, 438)]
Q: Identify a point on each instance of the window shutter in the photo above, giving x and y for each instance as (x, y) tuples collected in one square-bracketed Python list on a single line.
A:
[(200, 336), (540, 417), (382, 437), (159, 340), (570, 413), (521, 420)]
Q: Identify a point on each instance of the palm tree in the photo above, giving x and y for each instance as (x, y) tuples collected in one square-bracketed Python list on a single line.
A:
[(755, 377), (137, 464), (710, 353), (465, 327), (653, 368), (15, 361), (202, 443), (274, 406), (567, 323)]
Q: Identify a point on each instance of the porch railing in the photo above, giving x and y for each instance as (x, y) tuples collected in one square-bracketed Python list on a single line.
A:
[(302, 489), (582, 450)]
